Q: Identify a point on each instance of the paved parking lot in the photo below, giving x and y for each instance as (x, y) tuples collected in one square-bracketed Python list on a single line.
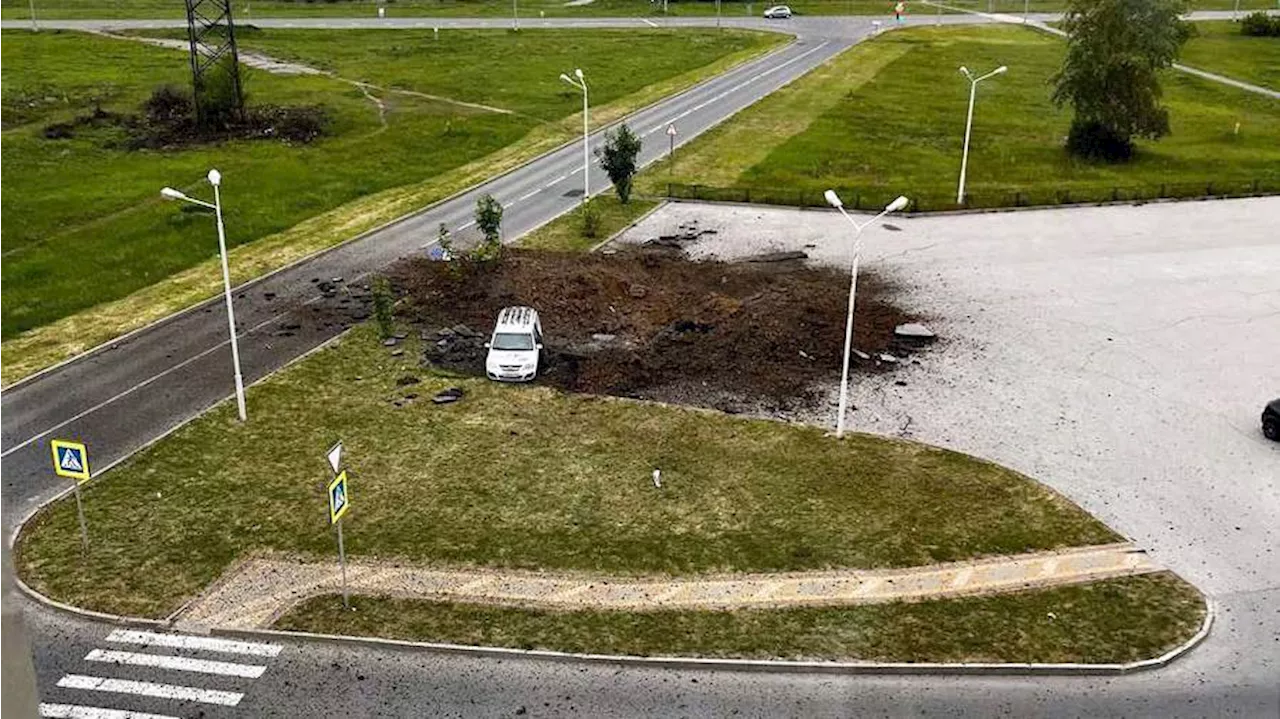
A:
[(1120, 354)]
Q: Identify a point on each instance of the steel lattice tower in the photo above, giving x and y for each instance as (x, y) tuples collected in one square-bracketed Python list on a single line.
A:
[(212, 35)]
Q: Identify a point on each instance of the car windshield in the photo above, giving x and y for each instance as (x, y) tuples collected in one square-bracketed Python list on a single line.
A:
[(512, 341)]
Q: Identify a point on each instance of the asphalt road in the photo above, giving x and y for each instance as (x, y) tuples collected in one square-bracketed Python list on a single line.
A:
[(142, 387)]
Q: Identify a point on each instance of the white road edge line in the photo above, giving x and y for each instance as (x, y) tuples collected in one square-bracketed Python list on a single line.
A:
[(109, 400), (150, 689), (75, 711), (185, 641), (181, 664), (739, 86)]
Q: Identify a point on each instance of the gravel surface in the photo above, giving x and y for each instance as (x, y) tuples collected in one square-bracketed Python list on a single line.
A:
[(1119, 354)]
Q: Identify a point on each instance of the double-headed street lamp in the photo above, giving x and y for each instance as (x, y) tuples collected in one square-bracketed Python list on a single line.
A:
[(968, 124), (834, 200), (581, 84), (215, 179)]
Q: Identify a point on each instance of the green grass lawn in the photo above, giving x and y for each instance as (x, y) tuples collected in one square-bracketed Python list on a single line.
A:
[(245, 11), (520, 477), (887, 118), (566, 232), (1115, 620), (1219, 47), (88, 226)]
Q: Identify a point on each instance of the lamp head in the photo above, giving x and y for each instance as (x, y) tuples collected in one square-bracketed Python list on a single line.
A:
[(1000, 70), (215, 178), (897, 204), (169, 193), (566, 78), (965, 71), (833, 199), (578, 73)]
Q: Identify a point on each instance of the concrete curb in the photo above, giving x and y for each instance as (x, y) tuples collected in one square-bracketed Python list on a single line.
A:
[(248, 284), (980, 210), (751, 665), (661, 204)]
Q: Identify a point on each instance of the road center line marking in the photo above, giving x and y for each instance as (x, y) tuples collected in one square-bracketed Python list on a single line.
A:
[(181, 664), (75, 711), (186, 641), (739, 86), (649, 22), (109, 400), (150, 689)]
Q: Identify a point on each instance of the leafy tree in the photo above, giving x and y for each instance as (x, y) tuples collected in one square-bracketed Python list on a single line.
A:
[(618, 158), (1115, 52), (489, 220)]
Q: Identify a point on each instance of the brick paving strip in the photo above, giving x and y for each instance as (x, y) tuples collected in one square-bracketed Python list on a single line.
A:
[(254, 593)]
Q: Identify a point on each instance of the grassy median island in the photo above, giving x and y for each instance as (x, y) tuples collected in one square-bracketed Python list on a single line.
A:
[(84, 198), (1114, 620), (520, 477), (567, 232), (887, 118)]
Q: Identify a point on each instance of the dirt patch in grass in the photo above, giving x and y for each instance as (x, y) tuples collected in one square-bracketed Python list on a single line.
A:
[(652, 324), (1115, 620)]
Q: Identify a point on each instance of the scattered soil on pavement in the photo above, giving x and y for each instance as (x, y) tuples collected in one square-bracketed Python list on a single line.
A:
[(650, 323)]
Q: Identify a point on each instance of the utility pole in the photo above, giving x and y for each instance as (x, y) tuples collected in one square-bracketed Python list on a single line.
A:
[(17, 674)]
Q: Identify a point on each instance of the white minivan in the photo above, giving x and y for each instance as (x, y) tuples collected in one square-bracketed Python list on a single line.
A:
[(515, 346)]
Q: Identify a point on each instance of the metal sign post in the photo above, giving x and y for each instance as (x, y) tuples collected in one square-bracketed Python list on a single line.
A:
[(339, 503), (71, 460), (671, 157)]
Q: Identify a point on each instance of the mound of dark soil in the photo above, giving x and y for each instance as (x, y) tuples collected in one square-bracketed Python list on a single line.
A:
[(637, 322), (168, 121)]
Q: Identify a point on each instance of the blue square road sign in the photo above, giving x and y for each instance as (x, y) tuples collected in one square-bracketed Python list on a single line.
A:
[(70, 459)]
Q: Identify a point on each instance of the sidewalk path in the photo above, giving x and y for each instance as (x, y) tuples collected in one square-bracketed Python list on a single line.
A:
[(1043, 26), (256, 592)]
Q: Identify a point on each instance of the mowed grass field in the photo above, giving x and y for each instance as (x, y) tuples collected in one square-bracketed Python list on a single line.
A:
[(1114, 620), (520, 477), (1219, 47), (887, 118), (528, 9), (84, 223)]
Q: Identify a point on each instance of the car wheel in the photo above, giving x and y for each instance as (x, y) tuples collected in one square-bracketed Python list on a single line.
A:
[(1271, 430)]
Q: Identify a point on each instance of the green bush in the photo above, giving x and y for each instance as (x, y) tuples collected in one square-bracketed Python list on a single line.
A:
[(1260, 24), (1098, 141), (590, 215), (384, 306)]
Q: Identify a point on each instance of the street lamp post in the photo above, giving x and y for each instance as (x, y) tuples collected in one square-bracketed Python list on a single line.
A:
[(834, 200), (215, 179), (581, 84), (968, 123)]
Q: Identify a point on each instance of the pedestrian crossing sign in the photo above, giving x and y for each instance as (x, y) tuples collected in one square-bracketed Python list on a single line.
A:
[(338, 501), (70, 459)]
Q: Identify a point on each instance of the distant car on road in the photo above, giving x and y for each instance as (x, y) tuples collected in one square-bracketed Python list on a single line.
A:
[(1271, 420), (778, 11)]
